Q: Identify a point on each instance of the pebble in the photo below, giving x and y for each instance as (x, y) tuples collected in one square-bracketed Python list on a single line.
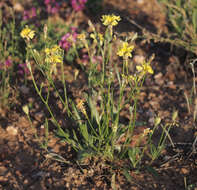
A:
[(39, 116), (3, 170), (12, 130), (138, 59), (155, 104), (26, 181), (184, 171), (24, 89), (18, 7), (140, 1), (171, 85), (159, 78), (151, 121)]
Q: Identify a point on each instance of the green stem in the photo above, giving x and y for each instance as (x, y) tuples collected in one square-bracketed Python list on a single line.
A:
[(65, 91)]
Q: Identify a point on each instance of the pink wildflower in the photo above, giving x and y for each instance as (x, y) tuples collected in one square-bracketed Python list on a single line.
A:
[(23, 69), (29, 14), (78, 5), (52, 6), (67, 40)]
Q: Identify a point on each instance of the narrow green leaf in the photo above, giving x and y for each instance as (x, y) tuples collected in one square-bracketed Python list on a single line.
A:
[(194, 20), (152, 171), (118, 75), (84, 131), (94, 110), (127, 175)]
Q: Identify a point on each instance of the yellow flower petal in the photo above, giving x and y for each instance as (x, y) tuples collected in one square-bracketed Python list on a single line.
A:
[(149, 69), (47, 51), (55, 48), (139, 68), (27, 33), (101, 38), (81, 36), (92, 35), (144, 68), (126, 50), (110, 20)]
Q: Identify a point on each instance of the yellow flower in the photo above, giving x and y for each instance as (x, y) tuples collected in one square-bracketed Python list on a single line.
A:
[(126, 50), (54, 59), (129, 78), (96, 38), (47, 51), (132, 78), (81, 107), (27, 33), (144, 68), (147, 131), (101, 38), (55, 48), (110, 20), (92, 35), (81, 36), (53, 56)]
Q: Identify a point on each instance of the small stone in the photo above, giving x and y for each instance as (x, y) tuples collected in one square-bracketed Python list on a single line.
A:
[(140, 1), (146, 105), (171, 76), (26, 181), (67, 185), (151, 95), (3, 170), (138, 59), (18, 7), (184, 171), (159, 78), (39, 116), (12, 130), (151, 121), (171, 85), (155, 104), (142, 96), (24, 89), (42, 127)]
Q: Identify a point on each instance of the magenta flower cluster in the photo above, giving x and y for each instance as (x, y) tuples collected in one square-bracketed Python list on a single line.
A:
[(29, 14), (52, 6), (23, 69), (78, 5), (7, 64), (67, 39)]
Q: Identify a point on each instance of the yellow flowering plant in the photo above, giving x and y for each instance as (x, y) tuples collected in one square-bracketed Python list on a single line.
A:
[(98, 129), (103, 124)]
